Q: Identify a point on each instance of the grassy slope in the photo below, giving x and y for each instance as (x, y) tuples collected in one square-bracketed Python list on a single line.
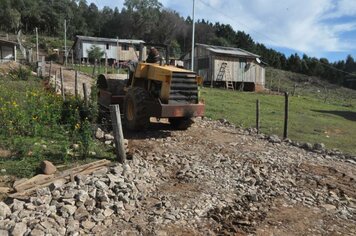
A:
[(51, 143), (311, 119)]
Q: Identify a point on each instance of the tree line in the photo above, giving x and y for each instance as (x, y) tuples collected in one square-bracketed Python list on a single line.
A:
[(150, 21)]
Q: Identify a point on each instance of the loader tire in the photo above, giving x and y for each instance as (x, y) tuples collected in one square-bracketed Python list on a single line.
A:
[(136, 115), (180, 123)]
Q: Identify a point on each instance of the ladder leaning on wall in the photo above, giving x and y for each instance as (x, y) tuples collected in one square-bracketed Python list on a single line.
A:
[(224, 74)]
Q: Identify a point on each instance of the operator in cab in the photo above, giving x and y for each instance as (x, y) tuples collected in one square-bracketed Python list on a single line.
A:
[(153, 56)]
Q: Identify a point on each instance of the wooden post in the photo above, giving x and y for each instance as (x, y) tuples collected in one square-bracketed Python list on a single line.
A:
[(50, 69), (86, 102), (62, 84), (294, 88), (106, 63), (55, 82), (72, 59), (258, 116), (286, 108), (76, 84), (119, 137), (94, 68)]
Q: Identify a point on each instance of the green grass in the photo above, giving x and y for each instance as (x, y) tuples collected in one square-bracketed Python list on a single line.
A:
[(36, 125), (302, 85), (310, 119), (99, 70)]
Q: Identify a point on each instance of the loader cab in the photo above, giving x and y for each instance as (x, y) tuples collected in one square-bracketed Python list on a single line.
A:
[(162, 49)]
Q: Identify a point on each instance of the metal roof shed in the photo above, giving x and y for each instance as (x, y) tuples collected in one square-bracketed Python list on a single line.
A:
[(7, 50), (244, 68)]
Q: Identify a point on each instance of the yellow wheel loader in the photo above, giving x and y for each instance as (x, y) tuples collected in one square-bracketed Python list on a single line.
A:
[(155, 90)]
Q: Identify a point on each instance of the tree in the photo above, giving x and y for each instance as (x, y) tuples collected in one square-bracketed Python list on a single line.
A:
[(143, 16), (95, 53)]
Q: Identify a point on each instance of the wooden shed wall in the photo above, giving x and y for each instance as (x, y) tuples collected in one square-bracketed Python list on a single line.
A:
[(236, 65)]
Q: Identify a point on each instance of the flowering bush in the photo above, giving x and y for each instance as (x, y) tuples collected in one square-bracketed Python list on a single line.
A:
[(31, 114)]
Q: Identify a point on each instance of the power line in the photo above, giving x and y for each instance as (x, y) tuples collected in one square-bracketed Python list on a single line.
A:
[(266, 36)]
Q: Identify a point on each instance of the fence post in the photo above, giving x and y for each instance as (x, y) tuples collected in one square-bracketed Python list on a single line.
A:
[(85, 94), (294, 88), (50, 69), (62, 85), (286, 110), (258, 116), (55, 81), (94, 68), (119, 137), (76, 84), (106, 63)]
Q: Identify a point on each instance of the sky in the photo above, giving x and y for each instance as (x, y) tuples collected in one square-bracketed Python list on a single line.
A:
[(319, 28)]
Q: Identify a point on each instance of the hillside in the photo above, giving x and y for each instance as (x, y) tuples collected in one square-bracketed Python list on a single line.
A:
[(302, 85)]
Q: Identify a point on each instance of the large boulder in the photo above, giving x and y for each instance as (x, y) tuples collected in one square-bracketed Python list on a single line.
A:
[(48, 168)]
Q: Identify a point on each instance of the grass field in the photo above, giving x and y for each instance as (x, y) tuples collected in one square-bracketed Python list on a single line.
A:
[(310, 119)]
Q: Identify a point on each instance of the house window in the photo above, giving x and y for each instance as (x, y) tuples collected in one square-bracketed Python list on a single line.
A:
[(107, 46), (137, 47), (125, 47), (242, 63)]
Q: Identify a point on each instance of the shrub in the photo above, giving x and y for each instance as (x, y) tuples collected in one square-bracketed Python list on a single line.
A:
[(20, 73)]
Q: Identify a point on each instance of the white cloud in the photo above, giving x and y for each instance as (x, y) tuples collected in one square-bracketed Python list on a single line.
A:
[(310, 26), (301, 25)]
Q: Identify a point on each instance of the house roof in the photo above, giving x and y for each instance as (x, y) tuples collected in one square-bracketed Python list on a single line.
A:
[(109, 40), (228, 51), (7, 42)]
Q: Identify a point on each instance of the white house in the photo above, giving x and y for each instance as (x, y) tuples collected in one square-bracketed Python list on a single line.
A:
[(115, 49)]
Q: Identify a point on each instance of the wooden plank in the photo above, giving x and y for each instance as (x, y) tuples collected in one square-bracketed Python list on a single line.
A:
[(29, 191), (43, 179), (34, 180)]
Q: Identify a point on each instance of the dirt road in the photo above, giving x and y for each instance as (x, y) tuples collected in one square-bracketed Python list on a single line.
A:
[(69, 79), (215, 179), (212, 179)]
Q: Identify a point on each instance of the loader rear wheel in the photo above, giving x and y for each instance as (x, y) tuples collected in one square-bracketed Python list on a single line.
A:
[(180, 123), (136, 115)]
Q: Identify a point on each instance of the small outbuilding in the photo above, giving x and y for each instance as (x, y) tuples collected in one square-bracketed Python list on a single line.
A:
[(217, 64), (119, 50), (7, 51)]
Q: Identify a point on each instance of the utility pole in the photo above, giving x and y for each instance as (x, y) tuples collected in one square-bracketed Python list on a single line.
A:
[(117, 48), (193, 33), (37, 55), (65, 41)]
